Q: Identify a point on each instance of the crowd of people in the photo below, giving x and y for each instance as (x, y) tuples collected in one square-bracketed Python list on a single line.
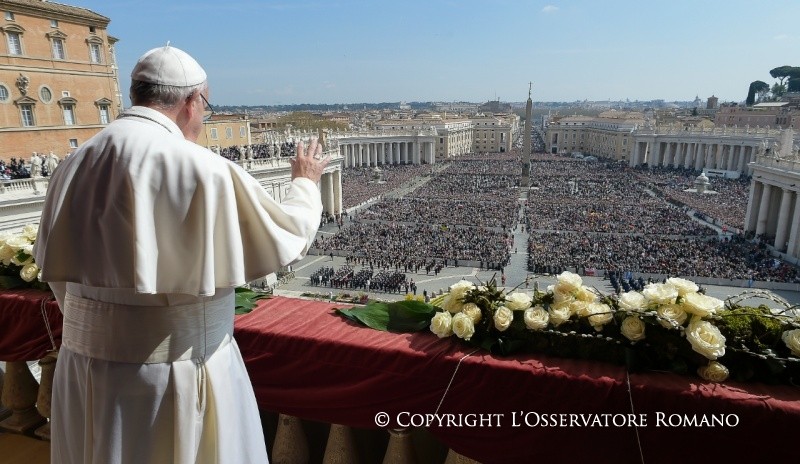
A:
[(726, 258), (365, 279), (259, 151), (728, 204), (398, 243), (14, 169), (609, 216), (360, 184)]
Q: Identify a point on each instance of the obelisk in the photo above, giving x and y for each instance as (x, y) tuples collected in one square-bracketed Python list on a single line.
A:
[(526, 149)]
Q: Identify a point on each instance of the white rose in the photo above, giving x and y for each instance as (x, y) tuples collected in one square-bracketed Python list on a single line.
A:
[(683, 286), (442, 324), (461, 288), (536, 318), (660, 293), (581, 308), (502, 318), (792, 340), (17, 242), (632, 301), (30, 232), (586, 294), (601, 315), (562, 297), (29, 272), (714, 372), (568, 282), (706, 339), (463, 326), (633, 328), (701, 305), (473, 311), (6, 253), (452, 304), (518, 301), (559, 314), (672, 316)]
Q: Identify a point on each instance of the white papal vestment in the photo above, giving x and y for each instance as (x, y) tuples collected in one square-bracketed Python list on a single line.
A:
[(143, 235)]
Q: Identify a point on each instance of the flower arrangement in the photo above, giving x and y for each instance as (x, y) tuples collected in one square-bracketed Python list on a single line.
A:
[(669, 326), (17, 267)]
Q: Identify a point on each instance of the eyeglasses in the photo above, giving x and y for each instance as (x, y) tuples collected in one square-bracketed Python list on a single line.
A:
[(208, 110)]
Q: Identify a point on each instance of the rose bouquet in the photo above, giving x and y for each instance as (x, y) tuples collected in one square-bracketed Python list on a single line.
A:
[(17, 267), (670, 326)]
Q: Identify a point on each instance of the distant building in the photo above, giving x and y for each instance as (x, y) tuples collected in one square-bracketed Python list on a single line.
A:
[(58, 77), (607, 135), (225, 130), (774, 115)]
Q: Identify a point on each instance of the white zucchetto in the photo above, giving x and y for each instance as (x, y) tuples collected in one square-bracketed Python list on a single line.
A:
[(168, 65)]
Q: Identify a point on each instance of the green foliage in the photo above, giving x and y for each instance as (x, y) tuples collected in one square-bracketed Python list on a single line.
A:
[(246, 299), (756, 88), (400, 316), (781, 73)]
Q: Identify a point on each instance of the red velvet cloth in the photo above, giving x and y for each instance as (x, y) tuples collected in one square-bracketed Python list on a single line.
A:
[(23, 334), (305, 361)]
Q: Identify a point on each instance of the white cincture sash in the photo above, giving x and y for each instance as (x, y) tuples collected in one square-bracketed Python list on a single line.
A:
[(146, 334)]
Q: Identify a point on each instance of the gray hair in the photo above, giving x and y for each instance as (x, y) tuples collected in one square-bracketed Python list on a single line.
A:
[(164, 96)]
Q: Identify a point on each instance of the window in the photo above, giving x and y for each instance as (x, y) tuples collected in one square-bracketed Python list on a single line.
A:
[(214, 133), (3, 94), (73, 143), (94, 53), (104, 118), (58, 49), (45, 95), (241, 132), (9, 16), (53, 23), (228, 132), (26, 112), (69, 114), (92, 29), (14, 43)]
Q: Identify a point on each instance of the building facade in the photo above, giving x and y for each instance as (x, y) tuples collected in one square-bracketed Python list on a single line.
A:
[(226, 130), (608, 135), (773, 210), (494, 134), (773, 115), (58, 77)]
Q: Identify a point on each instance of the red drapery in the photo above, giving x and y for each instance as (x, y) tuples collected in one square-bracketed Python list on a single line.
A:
[(305, 361)]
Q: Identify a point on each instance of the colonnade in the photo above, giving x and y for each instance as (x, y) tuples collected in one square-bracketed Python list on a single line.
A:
[(381, 152), (696, 154), (773, 209)]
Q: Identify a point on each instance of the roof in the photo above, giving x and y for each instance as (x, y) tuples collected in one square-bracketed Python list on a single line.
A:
[(770, 104), (43, 6)]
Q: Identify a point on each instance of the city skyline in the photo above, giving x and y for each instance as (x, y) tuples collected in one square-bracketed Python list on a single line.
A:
[(283, 53)]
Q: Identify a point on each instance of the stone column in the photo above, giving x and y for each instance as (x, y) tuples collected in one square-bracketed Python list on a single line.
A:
[(20, 391), (750, 220), (763, 210), (415, 148), (403, 155), (326, 191), (699, 161), (634, 155), (783, 220), (337, 191), (794, 231), (742, 155)]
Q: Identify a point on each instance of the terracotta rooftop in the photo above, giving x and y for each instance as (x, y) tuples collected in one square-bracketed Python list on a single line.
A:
[(29, 6)]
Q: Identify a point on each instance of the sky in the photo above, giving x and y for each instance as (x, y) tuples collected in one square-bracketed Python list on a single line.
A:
[(265, 52)]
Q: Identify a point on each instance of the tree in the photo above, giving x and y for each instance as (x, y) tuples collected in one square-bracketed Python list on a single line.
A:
[(793, 84), (756, 88), (781, 73)]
